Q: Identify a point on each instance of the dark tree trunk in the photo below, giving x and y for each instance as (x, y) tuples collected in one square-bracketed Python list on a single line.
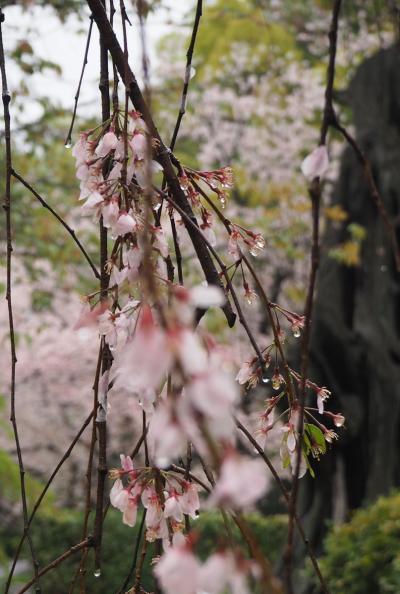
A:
[(355, 348)]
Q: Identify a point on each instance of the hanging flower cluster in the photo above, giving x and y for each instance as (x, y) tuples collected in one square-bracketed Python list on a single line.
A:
[(166, 496), (182, 378)]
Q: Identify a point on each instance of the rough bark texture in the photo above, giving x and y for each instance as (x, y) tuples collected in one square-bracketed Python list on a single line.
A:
[(355, 347)]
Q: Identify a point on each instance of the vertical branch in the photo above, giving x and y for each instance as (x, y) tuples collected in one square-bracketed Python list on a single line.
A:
[(81, 571), (6, 97), (315, 192), (101, 419)]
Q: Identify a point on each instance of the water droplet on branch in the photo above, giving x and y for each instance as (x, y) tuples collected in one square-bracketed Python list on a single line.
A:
[(265, 379)]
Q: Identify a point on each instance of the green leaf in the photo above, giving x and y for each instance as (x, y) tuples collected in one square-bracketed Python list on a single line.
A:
[(316, 436)]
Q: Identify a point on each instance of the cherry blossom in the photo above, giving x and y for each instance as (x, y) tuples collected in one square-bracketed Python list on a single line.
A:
[(178, 571), (316, 163), (241, 483)]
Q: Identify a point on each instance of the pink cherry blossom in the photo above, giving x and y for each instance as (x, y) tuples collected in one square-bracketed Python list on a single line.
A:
[(107, 328), (242, 481), (89, 315), (125, 224), (178, 571), (130, 512), (161, 241), (80, 148), (245, 372), (115, 172), (139, 146), (92, 205), (338, 420), (166, 434), (132, 259), (189, 500), (191, 353), (106, 144), (322, 395), (214, 573), (146, 358), (214, 393), (110, 212), (119, 495), (172, 507), (117, 277), (316, 163)]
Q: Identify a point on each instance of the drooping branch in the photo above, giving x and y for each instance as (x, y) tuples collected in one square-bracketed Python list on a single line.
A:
[(163, 155)]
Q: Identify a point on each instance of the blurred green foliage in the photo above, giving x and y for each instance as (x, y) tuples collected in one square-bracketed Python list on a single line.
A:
[(53, 533), (363, 555)]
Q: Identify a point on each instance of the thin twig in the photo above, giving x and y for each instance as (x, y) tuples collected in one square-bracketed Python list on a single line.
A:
[(375, 194), (81, 570), (59, 219), (88, 542), (140, 565), (286, 495), (68, 139), (46, 488), (192, 225), (135, 555), (315, 191), (189, 57), (190, 475), (6, 98)]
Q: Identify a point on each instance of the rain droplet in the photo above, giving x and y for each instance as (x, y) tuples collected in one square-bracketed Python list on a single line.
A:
[(265, 379), (296, 333), (254, 251), (276, 384), (97, 572), (68, 144)]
